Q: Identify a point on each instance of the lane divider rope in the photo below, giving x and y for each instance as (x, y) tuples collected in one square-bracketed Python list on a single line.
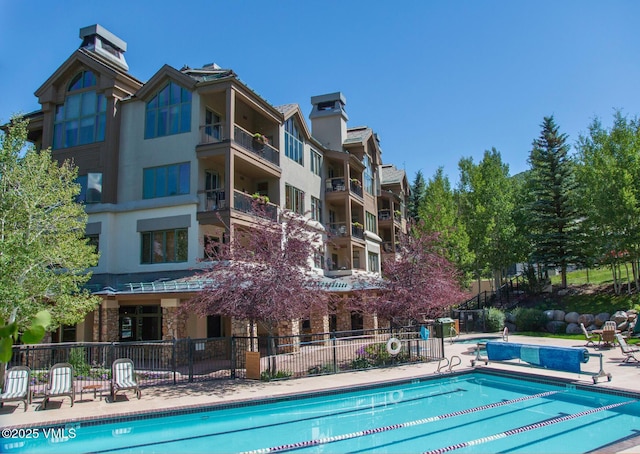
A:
[(362, 433), (527, 428)]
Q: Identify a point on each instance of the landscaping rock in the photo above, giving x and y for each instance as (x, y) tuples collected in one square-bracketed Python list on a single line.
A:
[(549, 314), (559, 315), (573, 328), (510, 326), (620, 317), (572, 317), (556, 326), (586, 319), (601, 318)]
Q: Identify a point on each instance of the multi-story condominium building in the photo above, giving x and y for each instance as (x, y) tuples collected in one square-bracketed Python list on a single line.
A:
[(167, 163)]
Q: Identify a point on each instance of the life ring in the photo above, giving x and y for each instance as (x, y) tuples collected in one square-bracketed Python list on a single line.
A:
[(395, 396), (394, 346)]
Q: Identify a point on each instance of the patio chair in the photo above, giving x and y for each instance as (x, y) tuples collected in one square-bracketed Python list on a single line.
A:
[(123, 378), (16, 386), (588, 336), (627, 350), (60, 383), (608, 336)]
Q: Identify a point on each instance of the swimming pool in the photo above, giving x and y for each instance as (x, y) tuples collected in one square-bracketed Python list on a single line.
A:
[(477, 411)]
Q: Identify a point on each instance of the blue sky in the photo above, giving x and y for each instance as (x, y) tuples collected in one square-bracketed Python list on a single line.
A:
[(438, 80)]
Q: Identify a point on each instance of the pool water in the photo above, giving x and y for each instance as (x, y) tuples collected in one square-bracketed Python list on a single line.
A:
[(471, 412)]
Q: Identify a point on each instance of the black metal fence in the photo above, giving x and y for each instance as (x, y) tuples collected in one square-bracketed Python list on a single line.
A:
[(330, 353), (189, 360)]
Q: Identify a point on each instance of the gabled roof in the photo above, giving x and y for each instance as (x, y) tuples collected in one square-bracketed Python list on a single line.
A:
[(91, 60), (161, 77), (290, 110), (358, 134), (390, 174)]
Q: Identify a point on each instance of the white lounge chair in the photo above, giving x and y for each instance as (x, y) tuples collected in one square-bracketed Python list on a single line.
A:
[(60, 383), (123, 378), (16, 386), (627, 350), (588, 336)]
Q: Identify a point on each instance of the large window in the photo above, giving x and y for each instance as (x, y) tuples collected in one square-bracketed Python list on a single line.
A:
[(316, 162), (316, 209), (293, 147), (166, 180), (294, 199), (370, 222), (164, 246), (82, 118), (90, 188), (169, 112), (368, 174), (374, 262)]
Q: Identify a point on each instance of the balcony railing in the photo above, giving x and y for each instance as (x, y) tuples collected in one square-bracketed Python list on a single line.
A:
[(338, 229), (212, 133), (213, 200), (335, 184), (264, 150), (341, 229), (389, 247), (386, 214), (247, 204), (355, 187)]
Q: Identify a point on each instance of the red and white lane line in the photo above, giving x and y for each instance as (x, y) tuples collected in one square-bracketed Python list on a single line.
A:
[(362, 433), (526, 428)]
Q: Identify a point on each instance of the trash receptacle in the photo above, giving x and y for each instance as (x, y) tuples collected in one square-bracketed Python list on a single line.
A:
[(443, 327)]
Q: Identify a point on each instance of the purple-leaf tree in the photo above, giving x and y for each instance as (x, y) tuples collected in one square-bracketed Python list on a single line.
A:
[(263, 273), (418, 282)]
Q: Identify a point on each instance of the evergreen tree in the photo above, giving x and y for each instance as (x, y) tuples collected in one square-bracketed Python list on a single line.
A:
[(553, 218), (417, 194)]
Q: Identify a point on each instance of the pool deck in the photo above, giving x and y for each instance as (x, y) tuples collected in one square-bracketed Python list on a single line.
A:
[(625, 377)]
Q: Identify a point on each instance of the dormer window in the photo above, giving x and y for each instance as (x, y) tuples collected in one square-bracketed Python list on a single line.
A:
[(168, 112), (82, 118)]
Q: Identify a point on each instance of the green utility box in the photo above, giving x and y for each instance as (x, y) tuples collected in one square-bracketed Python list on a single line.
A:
[(443, 326)]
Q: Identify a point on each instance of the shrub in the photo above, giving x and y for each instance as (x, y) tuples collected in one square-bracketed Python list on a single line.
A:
[(495, 320), (77, 358), (267, 376), (529, 319), (327, 368), (373, 355)]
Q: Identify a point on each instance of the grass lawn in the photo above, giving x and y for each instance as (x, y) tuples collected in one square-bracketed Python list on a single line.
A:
[(597, 276)]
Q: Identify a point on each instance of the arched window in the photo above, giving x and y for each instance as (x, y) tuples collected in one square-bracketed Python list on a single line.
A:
[(82, 117), (169, 112)]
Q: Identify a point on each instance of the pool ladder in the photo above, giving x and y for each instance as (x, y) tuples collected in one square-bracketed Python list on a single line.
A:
[(449, 363)]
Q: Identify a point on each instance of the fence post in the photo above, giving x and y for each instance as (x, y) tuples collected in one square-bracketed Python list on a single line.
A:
[(335, 359), (232, 362), (190, 348), (173, 360)]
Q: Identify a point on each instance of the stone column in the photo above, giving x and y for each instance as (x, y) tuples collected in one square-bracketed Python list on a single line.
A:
[(106, 321), (289, 328), (343, 318), (174, 323), (369, 321), (320, 324)]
